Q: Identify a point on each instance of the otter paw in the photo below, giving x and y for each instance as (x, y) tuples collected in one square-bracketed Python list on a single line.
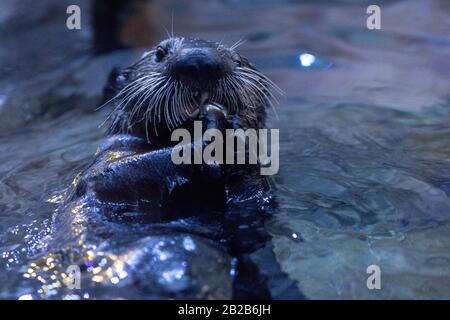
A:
[(213, 116)]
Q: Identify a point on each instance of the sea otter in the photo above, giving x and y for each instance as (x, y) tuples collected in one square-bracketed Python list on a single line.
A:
[(132, 180), (176, 83)]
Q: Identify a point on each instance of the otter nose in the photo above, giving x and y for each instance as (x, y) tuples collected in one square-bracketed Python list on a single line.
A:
[(198, 66)]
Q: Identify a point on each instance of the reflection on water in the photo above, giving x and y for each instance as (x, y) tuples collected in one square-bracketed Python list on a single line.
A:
[(365, 158), (363, 186)]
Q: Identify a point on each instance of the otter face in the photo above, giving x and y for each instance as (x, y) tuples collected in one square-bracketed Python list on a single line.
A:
[(174, 79), (197, 64)]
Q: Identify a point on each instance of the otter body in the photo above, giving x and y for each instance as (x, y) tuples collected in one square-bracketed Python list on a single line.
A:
[(133, 179), (176, 83)]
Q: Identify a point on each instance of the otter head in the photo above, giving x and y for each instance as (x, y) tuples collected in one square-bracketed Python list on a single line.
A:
[(165, 88)]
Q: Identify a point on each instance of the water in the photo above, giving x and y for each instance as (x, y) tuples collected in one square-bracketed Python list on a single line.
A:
[(364, 160), (368, 186)]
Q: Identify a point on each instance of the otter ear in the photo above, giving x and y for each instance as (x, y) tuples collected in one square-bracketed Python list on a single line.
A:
[(117, 80)]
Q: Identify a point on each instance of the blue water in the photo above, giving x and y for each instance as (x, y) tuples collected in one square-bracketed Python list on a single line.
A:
[(364, 158)]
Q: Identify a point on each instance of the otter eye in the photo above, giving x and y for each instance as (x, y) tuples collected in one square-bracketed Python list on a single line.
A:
[(160, 53)]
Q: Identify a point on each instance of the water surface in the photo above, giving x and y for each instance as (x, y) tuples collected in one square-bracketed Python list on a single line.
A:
[(364, 161)]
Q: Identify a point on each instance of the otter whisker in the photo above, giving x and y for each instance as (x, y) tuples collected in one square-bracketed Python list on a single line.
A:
[(263, 97), (126, 89), (155, 100), (147, 89), (137, 90), (170, 109), (175, 104), (188, 105), (156, 107), (166, 110), (169, 35), (238, 43), (259, 75), (265, 82), (136, 86), (168, 100), (159, 95), (243, 97), (181, 110), (162, 101), (142, 93), (220, 90), (135, 116), (231, 90), (181, 106), (153, 106), (130, 92)]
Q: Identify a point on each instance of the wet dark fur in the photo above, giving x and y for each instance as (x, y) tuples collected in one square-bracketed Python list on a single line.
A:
[(133, 171)]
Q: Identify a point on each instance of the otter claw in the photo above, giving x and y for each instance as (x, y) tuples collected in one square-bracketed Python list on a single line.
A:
[(216, 107), (209, 108), (195, 113)]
